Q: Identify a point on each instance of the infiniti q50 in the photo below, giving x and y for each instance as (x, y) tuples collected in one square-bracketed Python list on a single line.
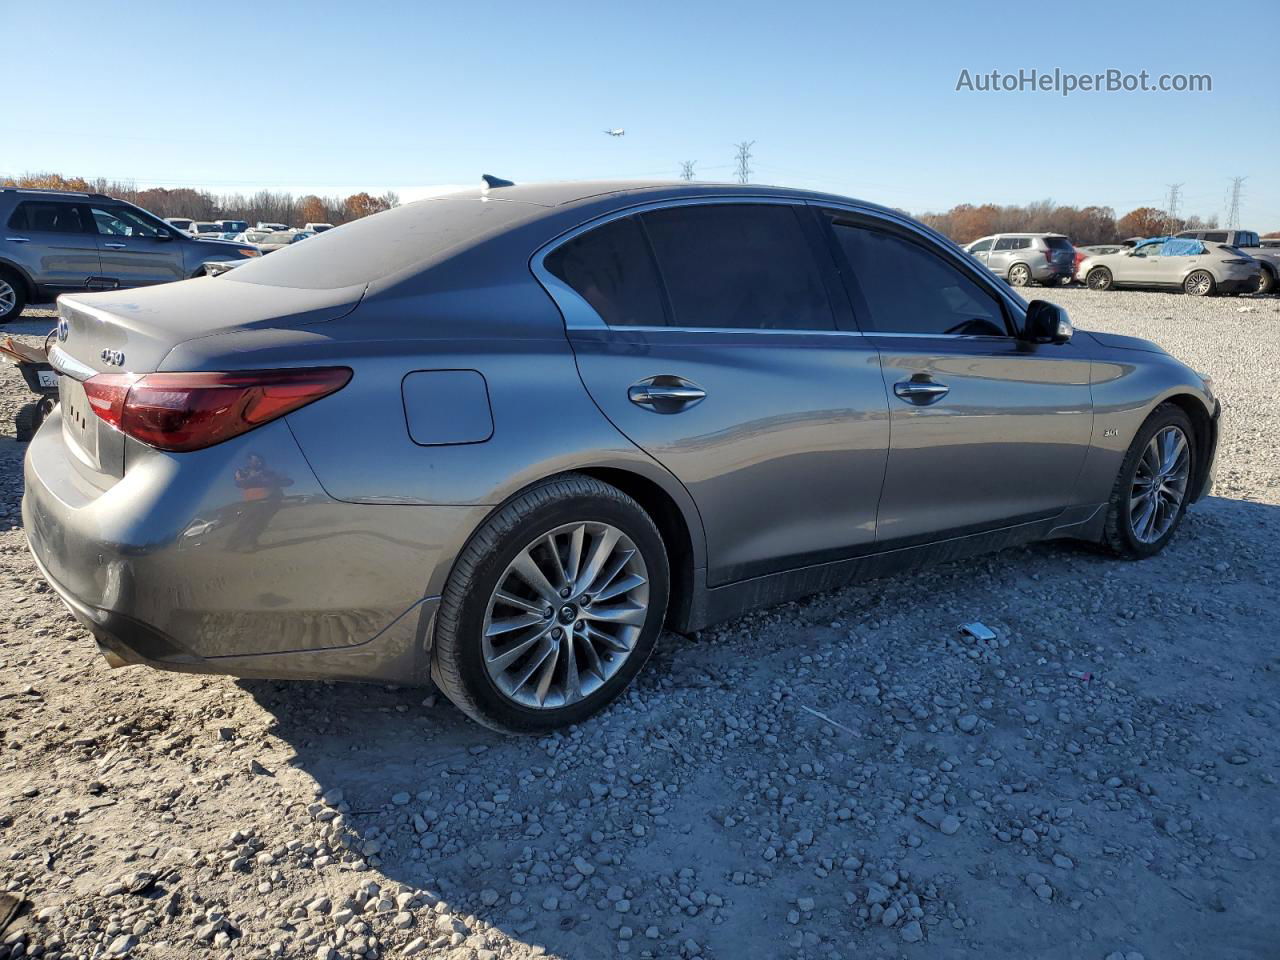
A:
[(499, 439)]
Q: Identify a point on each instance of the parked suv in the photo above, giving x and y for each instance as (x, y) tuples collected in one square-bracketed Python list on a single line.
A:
[(1020, 258), (54, 242), (502, 443), (1250, 244)]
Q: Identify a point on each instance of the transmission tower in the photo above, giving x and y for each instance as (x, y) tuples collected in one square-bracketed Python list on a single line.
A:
[(1233, 211), (744, 160), (1171, 207), (686, 169)]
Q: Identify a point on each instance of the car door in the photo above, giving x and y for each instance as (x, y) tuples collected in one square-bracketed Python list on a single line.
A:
[(981, 251), (1143, 266), (987, 430), (53, 243), (707, 333), (1002, 254), (135, 250)]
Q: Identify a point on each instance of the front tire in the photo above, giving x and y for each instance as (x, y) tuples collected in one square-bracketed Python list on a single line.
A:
[(1099, 278), (1267, 282), (1154, 485), (1020, 275), (13, 296), (1199, 283), (552, 608)]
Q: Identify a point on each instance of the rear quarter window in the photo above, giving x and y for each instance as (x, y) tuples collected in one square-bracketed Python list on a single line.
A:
[(1057, 243)]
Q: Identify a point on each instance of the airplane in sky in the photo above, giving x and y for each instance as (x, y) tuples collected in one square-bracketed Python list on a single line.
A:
[(616, 132)]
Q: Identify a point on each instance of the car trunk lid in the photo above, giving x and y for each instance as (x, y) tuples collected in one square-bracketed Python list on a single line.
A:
[(132, 331)]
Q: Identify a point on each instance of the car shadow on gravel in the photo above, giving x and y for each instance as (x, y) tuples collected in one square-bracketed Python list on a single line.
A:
[(531, 834)]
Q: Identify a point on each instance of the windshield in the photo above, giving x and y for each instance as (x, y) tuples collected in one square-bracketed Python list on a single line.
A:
[(207, 228), (386, 243)]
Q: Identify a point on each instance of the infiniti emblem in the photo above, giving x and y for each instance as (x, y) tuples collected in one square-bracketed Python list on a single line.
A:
[(64, 331)]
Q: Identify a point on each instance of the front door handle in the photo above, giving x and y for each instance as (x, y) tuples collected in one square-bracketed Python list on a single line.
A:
[(114, 246), (921, 392), (18, 239), (666, 394)]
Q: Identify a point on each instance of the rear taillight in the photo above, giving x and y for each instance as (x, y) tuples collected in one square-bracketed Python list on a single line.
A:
[(1237, 260), (189, 411)]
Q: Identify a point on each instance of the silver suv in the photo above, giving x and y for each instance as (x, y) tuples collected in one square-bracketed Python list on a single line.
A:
[(1020, 258), (54, 242)]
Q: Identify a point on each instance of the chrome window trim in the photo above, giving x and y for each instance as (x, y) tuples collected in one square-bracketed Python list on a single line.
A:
[(580, 315)]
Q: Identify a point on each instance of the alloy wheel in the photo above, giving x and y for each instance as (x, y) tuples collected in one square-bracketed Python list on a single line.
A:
[(1019, 276), (1199, 283), (565, 615), (1098, 280), (1159, 485), (8, 296)]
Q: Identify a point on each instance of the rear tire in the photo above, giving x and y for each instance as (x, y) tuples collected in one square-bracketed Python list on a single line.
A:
[(1127, 533), (590, 665), (1267, 282), (1099, 278), (13, 295), (1020, 275), (1199, 283)]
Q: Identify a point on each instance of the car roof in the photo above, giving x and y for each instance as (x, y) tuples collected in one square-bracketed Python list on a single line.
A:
[(566, 192)]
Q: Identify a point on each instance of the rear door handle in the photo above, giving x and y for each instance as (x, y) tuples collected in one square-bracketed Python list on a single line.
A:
[(920, 392), (666, 394), (114, 246)]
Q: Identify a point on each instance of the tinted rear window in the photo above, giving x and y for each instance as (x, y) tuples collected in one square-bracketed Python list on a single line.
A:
[(612, 269), (369, 249), (738, 266), (50, 217), (1057, 243)]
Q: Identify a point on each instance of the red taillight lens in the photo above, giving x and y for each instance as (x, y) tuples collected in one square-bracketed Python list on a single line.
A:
[(189, 411)]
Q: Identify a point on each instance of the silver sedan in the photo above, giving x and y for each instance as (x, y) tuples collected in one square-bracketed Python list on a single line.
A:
[(500, 439)]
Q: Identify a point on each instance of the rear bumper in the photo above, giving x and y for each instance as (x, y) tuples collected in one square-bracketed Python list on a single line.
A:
[(1050, 271), (1240, 284), (173, 566)]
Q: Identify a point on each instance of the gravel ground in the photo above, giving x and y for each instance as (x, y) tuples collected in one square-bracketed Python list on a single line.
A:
[(847, 776)]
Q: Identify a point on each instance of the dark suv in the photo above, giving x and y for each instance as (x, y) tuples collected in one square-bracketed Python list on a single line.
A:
[(54, 242)]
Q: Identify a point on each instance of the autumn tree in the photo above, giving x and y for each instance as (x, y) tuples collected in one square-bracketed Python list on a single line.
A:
[(311, 209), (362, 205), (1143, 222)]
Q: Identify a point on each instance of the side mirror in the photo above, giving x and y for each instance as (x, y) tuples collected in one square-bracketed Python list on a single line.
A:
[(1046, 323), (163, 235)]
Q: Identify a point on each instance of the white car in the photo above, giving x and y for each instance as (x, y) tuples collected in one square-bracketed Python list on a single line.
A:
[(180, 223), (318, 227), (1200, 269)]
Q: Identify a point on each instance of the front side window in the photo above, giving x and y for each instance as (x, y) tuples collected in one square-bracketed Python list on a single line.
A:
[(47, 217), (123, 222), (611, 268), (738, 266), (909, 289), (982, 246)]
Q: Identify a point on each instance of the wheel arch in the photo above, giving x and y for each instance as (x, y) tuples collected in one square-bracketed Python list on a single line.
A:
[(27, 282), (674, 527), (1203, 425)]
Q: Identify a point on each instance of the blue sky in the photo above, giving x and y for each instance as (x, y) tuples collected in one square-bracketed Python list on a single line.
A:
[(855, 98)]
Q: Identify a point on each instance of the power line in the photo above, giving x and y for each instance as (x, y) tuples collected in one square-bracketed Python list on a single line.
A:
[(1233, 212), (744, 160), (686, 169)]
